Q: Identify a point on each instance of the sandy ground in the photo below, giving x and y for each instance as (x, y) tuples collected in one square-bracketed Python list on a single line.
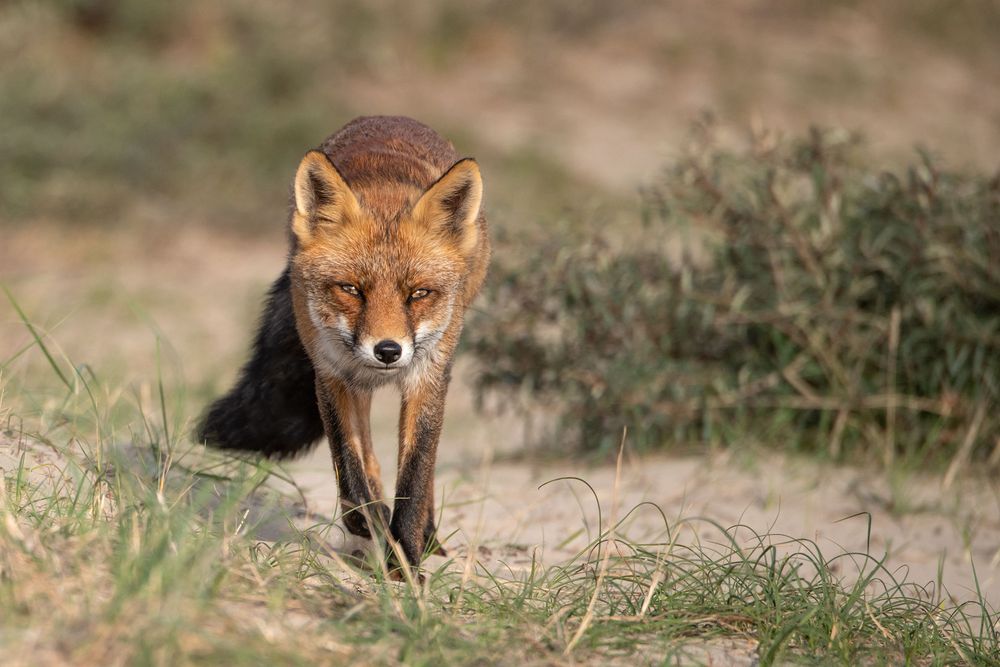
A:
[(500, 508)]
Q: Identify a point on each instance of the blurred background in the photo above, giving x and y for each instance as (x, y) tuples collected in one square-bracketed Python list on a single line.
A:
[(146, 148)]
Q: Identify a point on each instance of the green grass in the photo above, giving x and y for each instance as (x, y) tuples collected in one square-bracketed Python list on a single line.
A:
[(121, 541)]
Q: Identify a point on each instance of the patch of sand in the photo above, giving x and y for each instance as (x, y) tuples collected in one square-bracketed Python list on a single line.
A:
[(502, 510)]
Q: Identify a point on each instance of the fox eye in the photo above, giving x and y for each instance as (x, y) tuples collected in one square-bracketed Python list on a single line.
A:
[(419, 294), (351, 289)]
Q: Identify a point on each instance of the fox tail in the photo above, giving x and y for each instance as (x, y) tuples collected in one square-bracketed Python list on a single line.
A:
[(271, 410)]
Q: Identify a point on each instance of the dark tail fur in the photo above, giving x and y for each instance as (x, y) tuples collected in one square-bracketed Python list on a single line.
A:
[(272, 408)]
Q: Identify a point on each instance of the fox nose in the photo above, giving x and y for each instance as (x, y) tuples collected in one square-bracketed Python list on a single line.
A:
[(388, 351)]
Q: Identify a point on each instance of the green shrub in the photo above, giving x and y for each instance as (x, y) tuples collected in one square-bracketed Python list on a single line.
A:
[(818, 302)]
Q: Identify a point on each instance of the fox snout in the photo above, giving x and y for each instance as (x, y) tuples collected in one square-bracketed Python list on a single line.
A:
[(388, 351), (385, 353)]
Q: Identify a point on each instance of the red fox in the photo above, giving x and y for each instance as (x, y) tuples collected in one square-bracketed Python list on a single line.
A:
[(388, 247)]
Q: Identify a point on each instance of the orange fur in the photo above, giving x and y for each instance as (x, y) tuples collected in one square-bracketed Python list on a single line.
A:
[(389, 248)]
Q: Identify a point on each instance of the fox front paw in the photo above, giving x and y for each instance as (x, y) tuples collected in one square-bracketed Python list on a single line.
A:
[(408, 542), (357, 523)]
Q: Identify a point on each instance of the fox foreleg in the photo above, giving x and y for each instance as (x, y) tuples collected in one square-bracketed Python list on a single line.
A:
[(421, 419), (346, 413)]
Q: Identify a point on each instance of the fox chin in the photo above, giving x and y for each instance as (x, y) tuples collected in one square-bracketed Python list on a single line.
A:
[(388, 246)]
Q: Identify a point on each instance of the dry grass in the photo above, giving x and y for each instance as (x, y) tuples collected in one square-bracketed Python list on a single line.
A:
[(123, 543)]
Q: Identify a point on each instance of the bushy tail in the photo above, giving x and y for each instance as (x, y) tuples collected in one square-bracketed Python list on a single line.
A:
[(272, 408)]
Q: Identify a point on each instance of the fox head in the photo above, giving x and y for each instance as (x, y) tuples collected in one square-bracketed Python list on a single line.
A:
[(382, 284)]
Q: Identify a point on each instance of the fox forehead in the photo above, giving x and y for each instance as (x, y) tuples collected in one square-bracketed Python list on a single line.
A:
[(396, 252)]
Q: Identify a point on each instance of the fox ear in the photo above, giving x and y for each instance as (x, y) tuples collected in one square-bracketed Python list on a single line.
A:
[(322, 197), (450, 207)]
